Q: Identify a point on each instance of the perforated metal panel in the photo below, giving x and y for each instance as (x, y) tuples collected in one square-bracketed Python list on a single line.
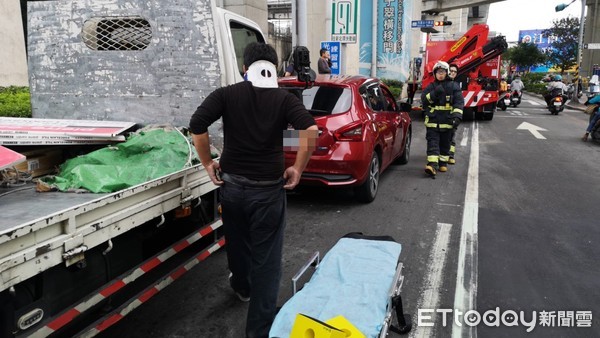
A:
[(117, 33)]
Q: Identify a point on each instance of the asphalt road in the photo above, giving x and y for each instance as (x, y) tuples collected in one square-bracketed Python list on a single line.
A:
[(514, 222)]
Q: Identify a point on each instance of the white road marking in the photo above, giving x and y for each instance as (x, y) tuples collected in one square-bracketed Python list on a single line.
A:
[(465, 295), (465, 137), (437, 261), (533, 103), (533, 129)]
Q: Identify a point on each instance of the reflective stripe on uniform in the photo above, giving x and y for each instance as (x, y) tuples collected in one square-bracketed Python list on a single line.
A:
[(443, 158), (428, 97), (452, 149), (457, 111), (432, 159)]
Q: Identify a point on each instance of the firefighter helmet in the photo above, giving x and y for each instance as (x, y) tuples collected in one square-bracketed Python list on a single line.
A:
[(441, 65)]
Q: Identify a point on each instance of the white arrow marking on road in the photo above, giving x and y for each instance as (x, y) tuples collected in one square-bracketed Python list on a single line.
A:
[(535, 130)]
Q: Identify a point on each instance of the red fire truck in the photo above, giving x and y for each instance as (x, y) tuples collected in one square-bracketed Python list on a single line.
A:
[(478, 61)]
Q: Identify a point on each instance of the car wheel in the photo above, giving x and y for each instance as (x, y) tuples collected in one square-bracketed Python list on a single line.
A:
[(403, 159), (367, 191)]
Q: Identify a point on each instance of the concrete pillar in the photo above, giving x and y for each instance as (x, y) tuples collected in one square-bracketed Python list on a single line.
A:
[(591, 35), (13, 61)]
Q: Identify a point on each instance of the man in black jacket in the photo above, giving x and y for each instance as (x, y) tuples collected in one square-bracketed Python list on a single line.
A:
[(443, 105), (253, 180)]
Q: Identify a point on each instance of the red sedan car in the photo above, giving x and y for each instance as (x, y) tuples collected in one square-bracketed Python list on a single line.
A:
[(362, 130)]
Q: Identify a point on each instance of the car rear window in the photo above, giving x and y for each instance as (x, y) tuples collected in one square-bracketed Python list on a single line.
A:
[(323, 101)]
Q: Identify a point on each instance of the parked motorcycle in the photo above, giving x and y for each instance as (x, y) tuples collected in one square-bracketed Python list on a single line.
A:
[(571, 91), (503, 100), (515, 98), (557, 102)]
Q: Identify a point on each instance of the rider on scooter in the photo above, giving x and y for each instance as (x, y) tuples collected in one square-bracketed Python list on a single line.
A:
[(554, 86)]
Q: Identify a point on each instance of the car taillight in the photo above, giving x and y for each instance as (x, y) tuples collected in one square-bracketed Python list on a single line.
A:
[(351, 132), (558, 99)]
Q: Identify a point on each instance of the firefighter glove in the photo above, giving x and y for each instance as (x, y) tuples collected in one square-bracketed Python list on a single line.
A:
[(455, 122), (439, 95)]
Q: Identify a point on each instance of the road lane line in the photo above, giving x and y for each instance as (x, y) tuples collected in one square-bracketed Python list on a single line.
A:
[(533, 103), (465, 137), (430, 297), (465, 295)]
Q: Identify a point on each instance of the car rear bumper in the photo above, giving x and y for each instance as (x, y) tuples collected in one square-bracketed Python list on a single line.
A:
[(346, 165)]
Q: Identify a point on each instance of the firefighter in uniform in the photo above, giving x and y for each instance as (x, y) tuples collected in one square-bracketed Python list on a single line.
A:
[(443, 105), (452, 75)]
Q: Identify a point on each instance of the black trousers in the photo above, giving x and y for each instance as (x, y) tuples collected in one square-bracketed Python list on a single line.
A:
[(438, 146), (452, 142), (254, 221), (411, 89)]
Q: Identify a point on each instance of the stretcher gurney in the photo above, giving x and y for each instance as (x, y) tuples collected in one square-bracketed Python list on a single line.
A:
[(360, 279)]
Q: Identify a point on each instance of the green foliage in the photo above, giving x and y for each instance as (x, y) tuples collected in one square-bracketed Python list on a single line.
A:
[(525, 55), (564, 37), (533, 83), (15, 102), (395, 87)]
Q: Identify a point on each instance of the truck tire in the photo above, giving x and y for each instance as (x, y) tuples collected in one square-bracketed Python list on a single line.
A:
[(488, 116), (469, 114)]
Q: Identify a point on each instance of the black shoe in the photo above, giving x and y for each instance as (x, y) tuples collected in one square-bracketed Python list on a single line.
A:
[(243, 296)]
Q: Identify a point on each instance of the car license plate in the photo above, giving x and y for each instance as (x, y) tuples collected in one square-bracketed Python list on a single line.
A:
[(515, 99), (506, 101), (557, 103)]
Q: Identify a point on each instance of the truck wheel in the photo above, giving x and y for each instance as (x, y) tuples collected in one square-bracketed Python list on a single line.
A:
[(367, 191), (469, 114), (488, 116)]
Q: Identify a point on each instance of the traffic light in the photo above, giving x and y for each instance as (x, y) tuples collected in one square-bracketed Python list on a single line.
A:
[(442, 23)]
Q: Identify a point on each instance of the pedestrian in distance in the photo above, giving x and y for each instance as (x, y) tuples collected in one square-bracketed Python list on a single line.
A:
[(290, 71), (452, 75), (443, 105), (324, 63), (252, 176)]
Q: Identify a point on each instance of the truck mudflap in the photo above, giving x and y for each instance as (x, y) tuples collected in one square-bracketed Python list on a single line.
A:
[(56, 323)]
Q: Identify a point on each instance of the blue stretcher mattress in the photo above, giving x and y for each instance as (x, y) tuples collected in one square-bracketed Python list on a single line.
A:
[(353, 280)]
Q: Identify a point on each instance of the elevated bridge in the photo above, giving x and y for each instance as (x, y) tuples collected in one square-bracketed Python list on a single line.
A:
[(438, 6)]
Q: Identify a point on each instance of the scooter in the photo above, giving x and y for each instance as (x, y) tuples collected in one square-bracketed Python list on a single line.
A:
[(504, 100), (571, 91), (515, 98), (557, 102)]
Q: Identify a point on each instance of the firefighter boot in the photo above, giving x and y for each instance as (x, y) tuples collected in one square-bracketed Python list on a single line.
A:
[(585, 137), (443, 167), (431, 169), (451, 160)]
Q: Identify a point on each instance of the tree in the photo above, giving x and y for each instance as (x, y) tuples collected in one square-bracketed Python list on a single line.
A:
[(525, 55), (564, 38)]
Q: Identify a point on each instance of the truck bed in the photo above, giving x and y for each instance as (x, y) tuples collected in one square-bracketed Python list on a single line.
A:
[(37, 229), (23, 205)]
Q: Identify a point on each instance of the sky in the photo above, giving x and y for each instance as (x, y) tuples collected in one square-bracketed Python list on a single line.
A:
[(510, 16)]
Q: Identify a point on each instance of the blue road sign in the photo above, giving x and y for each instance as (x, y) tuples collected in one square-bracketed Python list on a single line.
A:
[(335, 55), (421, 23)]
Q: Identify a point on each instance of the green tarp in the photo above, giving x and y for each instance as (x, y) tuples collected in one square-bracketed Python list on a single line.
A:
[(145, 156)]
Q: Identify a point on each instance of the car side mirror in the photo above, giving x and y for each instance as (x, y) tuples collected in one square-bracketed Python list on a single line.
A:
[(405, 107)]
